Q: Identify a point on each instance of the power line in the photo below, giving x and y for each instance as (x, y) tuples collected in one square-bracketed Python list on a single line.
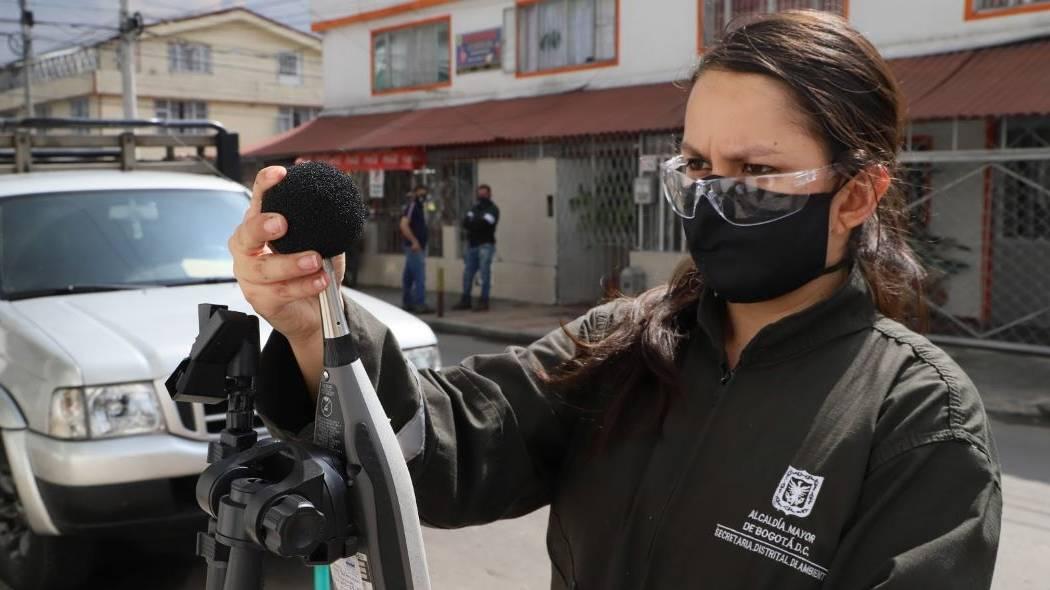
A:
[(59, 24)]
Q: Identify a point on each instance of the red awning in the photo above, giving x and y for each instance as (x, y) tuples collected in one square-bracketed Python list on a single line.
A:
[(1005, 80), (654, 107)]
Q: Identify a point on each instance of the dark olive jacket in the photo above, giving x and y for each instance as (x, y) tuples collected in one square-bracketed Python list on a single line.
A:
[(844, 451)]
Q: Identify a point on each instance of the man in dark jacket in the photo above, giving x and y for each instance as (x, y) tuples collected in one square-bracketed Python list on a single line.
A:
[(480, 224)]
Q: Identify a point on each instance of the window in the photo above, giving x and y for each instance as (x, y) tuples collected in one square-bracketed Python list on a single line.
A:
[(990, 8), (290, 69), (411, 57), (182, 110), (291, 117), (556, 35), (716, 15), (189, 57), (80, 108), (116, 237)]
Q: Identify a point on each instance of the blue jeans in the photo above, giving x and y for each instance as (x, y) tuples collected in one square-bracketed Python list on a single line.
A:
[(414, 279), (478, 258)]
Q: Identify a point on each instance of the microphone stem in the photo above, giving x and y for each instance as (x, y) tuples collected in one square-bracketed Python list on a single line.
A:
[(333, 320)]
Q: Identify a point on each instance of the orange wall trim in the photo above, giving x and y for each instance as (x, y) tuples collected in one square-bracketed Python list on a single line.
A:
[(361, 17), (973, 14)]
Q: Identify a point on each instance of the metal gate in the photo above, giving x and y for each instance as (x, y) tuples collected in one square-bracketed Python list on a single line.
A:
[(981, 222)]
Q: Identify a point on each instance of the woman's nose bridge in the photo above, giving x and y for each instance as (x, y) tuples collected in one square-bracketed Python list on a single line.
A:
[(723, 166)]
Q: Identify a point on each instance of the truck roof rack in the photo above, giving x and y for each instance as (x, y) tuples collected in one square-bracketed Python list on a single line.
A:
[(24, 146)]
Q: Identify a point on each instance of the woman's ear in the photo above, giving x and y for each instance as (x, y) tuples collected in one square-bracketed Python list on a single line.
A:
[(856, 202)]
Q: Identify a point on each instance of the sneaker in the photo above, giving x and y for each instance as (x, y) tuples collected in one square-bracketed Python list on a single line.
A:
[(463, 305), (482, 306)]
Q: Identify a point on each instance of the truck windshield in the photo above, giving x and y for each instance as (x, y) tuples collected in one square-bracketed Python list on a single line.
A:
[(91, 241)]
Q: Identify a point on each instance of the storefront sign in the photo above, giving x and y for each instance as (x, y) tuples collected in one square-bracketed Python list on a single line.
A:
[(376, 179), (399, 159), (479, 51)]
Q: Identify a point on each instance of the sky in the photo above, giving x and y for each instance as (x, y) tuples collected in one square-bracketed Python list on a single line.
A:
[(84, 21)]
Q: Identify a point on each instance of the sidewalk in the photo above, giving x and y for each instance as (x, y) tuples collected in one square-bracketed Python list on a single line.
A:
[(1014, 386), (512, 322)]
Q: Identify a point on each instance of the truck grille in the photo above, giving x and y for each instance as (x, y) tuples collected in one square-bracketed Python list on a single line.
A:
[(215, 418)]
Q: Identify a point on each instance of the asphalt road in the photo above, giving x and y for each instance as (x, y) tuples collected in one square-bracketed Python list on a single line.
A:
[(511, 554)]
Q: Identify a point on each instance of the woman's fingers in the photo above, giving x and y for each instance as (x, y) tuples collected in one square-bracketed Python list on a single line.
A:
[(269, 299), (250, 237), (275, 268), (266, 178)]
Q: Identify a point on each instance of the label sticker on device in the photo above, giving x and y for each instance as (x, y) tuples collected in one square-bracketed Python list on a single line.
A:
[(351, 573)]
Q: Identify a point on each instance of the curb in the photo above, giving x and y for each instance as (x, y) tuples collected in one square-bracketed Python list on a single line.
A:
[(1036, 415)]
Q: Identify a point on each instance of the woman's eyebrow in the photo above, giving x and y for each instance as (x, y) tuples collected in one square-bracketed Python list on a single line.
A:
[(688, 149), (745, 153)]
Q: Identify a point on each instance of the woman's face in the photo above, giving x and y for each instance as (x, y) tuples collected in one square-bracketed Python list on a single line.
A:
[(749, 124)]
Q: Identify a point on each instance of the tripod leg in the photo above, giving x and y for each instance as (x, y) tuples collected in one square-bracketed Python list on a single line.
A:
[(244, 571), (216, 556)]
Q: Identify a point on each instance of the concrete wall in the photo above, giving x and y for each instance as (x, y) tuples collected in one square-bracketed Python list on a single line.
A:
[(916, 27), (658, 42)]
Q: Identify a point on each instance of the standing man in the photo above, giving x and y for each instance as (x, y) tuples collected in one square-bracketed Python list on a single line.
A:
[(414, 230), (480, 223)]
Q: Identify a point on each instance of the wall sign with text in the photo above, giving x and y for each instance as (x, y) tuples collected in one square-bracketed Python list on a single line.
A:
[(479, 51)]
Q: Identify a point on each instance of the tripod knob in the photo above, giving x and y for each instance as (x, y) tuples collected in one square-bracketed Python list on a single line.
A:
[(293, 527)]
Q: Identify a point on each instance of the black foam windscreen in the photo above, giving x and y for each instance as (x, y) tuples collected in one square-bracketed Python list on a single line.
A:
[(323, 208)]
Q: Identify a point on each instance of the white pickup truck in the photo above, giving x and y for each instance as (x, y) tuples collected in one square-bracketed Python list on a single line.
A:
[(101, 272)]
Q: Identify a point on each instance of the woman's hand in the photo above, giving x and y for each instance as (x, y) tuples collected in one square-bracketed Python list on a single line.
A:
[(282, 288)]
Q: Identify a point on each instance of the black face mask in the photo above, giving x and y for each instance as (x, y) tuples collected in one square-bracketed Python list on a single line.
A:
[(746, 264)]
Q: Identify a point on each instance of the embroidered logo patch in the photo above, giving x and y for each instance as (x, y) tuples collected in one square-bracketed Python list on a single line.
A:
[(797, 492)]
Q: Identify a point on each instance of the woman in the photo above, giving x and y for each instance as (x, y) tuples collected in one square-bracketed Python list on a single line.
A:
[(765, 420)]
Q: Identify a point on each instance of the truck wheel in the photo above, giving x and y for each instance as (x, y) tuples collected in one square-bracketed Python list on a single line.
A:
[(32, 561)]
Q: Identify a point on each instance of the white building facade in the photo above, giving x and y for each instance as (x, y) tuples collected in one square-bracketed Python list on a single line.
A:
[(562, 105)]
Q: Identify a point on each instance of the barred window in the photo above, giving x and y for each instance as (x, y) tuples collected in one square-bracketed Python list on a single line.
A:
[(716, 15), (557, 34), (189, 57), (290, 69), (291, 117), (181, 109), (980, 5)]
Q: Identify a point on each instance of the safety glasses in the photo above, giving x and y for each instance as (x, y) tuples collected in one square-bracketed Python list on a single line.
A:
[(744, 200)]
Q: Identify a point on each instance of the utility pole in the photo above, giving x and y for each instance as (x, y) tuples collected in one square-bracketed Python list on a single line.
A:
[(27, 55), (130, 26)]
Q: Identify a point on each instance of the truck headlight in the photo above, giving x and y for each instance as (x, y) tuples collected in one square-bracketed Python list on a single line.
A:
[(426, 357), (105, 411)]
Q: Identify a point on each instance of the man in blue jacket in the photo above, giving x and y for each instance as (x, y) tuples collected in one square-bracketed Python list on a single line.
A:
[(414, 231)]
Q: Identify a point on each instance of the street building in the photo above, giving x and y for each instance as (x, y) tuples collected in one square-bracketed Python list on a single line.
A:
[(565, 108), (256, 76)]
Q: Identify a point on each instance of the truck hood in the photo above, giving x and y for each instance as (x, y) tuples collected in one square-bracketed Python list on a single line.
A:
[(141, 335)]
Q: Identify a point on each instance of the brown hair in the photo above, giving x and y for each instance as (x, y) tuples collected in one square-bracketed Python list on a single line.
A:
[(853, 102)]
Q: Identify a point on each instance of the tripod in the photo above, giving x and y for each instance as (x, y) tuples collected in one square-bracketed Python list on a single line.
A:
[(291, 499)]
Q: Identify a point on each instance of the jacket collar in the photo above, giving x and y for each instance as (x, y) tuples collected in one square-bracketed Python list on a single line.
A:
[(850, 309)]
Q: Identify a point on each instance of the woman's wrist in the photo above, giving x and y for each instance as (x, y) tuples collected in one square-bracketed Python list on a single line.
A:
[(308, 349)]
